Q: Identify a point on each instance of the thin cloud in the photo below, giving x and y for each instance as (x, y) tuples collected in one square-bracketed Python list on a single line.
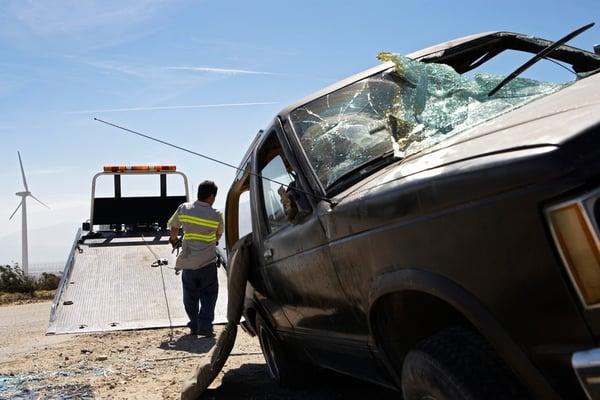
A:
[(111, 66), (226, 71), (35, 172), (67, 16), (46, 172), (82, 25), (261, 103)]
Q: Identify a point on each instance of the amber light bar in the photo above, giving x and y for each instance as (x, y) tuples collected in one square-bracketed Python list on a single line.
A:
[(578, 245), (123, 168)]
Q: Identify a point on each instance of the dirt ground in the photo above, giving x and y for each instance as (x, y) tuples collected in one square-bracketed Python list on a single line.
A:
[(138, 365)]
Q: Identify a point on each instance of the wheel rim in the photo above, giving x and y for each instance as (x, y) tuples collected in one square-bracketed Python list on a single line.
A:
[(266, 343)]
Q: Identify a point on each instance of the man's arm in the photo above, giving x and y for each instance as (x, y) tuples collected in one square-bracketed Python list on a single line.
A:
[(220, 229), (174, 233), (174, 226)]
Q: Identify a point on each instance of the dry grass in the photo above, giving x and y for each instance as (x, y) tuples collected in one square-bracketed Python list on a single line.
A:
[(26, 298)]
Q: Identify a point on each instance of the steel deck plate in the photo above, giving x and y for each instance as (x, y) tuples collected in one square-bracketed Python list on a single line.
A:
[(113, 287)]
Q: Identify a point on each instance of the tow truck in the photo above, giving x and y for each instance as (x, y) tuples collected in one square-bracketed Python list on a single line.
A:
[(119, 274)]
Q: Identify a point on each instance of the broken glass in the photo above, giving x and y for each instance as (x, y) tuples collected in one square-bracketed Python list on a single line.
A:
[(405, 109)]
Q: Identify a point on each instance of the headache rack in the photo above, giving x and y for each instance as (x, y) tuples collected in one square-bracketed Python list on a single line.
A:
[(143, 211)]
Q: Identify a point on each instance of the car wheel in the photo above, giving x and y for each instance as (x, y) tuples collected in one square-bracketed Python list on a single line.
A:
[(457, 364), (283, 366)]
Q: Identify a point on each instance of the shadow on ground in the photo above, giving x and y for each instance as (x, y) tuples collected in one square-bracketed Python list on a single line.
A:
[(252, 381), (190, 344)]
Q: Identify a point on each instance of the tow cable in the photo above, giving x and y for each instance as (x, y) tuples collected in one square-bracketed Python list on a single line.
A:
[(160, 262)]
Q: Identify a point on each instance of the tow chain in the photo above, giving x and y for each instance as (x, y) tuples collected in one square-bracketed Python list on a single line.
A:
[(160, 262)]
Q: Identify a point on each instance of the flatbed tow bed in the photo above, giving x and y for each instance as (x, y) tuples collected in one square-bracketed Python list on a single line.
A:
[(109, 282)]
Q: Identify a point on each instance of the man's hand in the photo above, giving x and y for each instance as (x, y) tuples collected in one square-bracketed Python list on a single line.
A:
[(174, 237), (175, 242)]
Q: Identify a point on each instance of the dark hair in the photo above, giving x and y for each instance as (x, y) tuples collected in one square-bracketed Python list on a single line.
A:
[(206, 189)]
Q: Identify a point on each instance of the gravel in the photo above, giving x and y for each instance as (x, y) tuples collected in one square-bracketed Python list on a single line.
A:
[(142, 365)]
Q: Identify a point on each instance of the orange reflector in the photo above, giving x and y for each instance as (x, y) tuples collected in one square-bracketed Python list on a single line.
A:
[(123, 168), (114, 168), (579, 250), (166, 167)]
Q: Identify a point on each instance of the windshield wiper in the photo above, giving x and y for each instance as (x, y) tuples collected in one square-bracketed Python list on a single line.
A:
[(373, 162), (545, 51)]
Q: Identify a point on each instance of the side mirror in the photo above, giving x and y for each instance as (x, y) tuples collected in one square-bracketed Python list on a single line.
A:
[(85, 226)]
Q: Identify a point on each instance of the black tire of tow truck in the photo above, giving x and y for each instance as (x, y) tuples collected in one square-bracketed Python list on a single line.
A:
[(283, 365), (457, 364)]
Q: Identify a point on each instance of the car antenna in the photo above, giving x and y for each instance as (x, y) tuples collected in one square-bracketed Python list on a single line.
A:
[(325, 199), (541, 54)]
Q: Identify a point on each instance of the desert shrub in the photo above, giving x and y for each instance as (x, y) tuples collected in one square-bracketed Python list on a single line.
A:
[(14, 280), (47, 281)]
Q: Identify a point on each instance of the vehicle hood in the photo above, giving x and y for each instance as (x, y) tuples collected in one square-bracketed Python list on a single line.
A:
[(547, 122)]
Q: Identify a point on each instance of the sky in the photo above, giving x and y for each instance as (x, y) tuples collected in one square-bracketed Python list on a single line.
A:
[(204, 75)]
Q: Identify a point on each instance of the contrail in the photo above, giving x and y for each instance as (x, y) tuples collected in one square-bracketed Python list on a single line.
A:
[(263, 103), (226, 71)]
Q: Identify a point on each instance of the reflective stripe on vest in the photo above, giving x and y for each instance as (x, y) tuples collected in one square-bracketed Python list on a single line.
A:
[(200, 237), (198, 221)]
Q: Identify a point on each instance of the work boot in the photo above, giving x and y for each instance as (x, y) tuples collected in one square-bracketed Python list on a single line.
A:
[(207, 333), (193, 329)]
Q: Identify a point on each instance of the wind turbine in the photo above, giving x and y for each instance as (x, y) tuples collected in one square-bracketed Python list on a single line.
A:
[(23, 205)]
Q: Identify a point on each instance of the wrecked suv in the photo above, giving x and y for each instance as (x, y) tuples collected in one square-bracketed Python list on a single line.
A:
[(411, 230)]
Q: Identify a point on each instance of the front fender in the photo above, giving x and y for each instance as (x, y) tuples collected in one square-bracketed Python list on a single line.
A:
[(418, 280)]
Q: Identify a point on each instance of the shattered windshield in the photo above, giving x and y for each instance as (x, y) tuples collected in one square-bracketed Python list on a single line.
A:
[(406, 109)]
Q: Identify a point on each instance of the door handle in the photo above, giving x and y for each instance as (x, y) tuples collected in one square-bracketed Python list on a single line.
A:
[(268, 254)]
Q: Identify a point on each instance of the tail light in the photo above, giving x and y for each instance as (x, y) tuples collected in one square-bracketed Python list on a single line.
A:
[(575, 232)]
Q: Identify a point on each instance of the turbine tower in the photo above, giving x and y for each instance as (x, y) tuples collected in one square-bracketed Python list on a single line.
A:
[(23, 205)]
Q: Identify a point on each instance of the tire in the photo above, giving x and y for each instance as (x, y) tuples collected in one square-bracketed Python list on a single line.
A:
[(457, 364), (284, 367)]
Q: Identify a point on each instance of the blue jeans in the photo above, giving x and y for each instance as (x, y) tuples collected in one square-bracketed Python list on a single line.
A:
[(200, 286)]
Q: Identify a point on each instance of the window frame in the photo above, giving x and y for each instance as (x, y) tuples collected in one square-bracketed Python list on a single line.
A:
[(266, 219), (267, 145), (287, 150)]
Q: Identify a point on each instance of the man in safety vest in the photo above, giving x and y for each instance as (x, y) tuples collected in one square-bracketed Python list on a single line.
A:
[(203, 227)]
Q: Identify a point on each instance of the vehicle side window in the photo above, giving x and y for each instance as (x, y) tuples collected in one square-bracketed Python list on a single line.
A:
[(238, 219), (275, 194), (244, 215)]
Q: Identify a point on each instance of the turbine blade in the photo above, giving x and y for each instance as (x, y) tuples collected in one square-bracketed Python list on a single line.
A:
[(14, 212), (39, 201), (23, 172)]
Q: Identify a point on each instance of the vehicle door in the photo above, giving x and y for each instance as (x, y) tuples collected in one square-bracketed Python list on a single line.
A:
[(295, 257)]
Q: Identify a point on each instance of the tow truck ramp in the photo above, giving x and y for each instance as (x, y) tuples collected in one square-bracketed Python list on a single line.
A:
[(110, 285)]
